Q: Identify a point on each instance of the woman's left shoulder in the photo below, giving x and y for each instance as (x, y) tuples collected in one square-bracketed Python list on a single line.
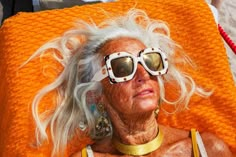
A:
[(215, 146)]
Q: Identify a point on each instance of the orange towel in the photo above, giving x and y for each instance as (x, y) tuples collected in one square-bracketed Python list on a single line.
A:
[(191, 24)]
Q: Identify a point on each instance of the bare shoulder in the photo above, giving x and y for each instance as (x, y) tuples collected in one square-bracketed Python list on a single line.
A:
[(215, 146), (172, 135)]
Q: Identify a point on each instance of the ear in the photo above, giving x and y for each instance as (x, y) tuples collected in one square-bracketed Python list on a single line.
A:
[(103, 100)]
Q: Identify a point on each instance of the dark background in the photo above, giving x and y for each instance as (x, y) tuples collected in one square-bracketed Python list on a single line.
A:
[(11, 7)]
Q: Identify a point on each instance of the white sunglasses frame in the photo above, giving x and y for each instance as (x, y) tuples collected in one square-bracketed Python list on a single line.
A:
[(106, 70)]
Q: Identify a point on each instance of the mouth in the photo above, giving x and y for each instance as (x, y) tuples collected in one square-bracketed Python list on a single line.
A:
[(145, 92)]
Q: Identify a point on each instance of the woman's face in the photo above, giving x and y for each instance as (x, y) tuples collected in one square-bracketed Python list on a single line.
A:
[(136, 96)]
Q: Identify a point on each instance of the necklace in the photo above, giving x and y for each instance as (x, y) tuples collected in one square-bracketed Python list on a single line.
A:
[(141, 149)]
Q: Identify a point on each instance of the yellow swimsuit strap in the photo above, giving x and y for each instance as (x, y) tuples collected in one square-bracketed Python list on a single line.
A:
[(87, 152), (194, 143), (84, 152)]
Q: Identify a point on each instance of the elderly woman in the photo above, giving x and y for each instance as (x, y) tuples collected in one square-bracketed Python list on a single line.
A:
[(112, 87)]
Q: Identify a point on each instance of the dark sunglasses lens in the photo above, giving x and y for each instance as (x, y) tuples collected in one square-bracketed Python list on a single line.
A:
[(122, 67), (153, 61)]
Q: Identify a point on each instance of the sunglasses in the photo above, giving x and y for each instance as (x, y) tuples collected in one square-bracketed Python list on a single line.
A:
[(121, 66)]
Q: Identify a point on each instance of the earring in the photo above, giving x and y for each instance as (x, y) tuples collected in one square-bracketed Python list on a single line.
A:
[(156, 111), (103, 126)]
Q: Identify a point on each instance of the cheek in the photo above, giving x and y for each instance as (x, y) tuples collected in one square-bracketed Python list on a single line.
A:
[(119, 94), (155, 85), (156, 88)]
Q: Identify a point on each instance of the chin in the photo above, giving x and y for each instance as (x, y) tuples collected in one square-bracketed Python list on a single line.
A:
[(147, 106)]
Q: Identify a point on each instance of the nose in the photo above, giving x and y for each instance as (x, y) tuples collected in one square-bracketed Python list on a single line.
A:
[(141, 74)]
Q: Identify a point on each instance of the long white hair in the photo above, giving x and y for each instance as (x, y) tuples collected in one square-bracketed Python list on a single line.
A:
[(78, 55)]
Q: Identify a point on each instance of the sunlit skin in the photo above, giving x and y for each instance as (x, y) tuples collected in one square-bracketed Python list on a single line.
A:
[(131, 103), (131, 106)]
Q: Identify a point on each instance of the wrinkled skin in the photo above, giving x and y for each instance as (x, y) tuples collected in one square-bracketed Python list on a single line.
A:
[(130, 106)]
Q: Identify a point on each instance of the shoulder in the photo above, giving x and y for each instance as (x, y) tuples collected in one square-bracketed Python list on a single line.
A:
[(172, 135), (215, 146)]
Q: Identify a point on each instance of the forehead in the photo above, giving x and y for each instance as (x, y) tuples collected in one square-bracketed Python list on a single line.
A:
[(126, 44)]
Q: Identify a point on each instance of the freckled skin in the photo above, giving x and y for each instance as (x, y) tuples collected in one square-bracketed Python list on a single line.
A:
[(132, 114), (130, 111), (122, 95)]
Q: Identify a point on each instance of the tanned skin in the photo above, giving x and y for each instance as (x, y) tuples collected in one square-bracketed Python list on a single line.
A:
[(130, 106)]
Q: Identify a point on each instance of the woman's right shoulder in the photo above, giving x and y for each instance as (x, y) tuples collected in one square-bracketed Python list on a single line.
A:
[(97, 154)]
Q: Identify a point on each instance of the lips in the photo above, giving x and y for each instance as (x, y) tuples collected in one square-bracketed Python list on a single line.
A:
[(144, 92)]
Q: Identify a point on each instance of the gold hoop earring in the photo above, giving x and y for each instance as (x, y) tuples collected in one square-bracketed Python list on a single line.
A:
[(156, 111)]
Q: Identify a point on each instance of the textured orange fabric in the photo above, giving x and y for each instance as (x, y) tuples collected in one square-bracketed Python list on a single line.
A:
[(191, 24)]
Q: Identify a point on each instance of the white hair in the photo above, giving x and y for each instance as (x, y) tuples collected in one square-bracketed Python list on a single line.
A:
[(82, 43)]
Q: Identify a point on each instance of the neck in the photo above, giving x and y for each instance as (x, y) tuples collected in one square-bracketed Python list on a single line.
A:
[(135, 129)]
